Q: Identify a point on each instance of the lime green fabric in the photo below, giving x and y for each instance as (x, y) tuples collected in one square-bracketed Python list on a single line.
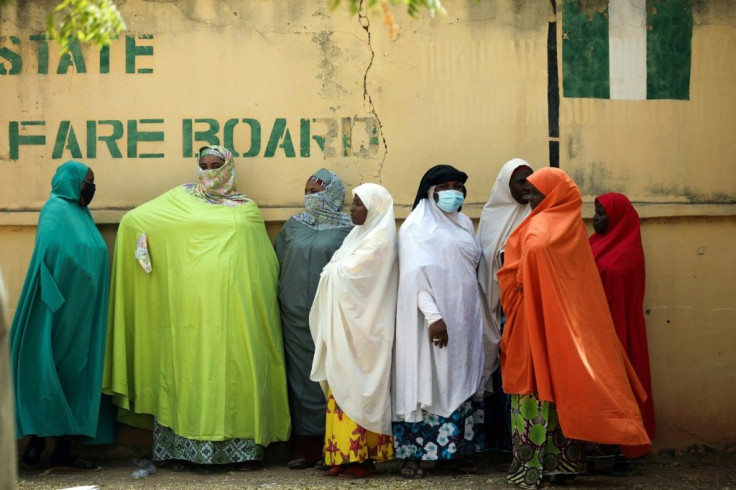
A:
[(58, 332), (197, 342)]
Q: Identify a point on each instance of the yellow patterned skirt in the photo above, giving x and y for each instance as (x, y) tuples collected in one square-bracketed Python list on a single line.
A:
[(347, 442)]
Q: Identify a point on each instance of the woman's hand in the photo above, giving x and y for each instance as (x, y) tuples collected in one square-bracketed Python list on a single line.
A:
[(438, 334)]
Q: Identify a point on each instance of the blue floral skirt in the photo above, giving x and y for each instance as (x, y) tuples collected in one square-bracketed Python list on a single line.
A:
[(437, 437)]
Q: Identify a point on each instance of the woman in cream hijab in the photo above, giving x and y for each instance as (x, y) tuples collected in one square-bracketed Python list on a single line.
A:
[(505, 209), (352, 322)]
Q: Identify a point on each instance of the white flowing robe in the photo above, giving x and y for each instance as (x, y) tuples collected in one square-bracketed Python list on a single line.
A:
[(500, 217), (352, 318), (438, 257)]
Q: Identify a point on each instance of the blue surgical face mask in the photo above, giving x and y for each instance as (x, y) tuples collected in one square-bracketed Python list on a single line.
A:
[(450, 201)]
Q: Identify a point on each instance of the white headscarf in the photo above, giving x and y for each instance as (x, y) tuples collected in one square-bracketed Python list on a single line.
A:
[(353, 315), (500, 216), (438, 256)]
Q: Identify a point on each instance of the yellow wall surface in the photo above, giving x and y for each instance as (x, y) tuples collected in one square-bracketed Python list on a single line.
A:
[(291, 87)]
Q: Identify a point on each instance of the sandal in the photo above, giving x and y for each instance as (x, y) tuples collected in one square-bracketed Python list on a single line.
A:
[(31, 458), (459, 466), (358, 471), (75, 464), (252, 465), (621, 467), (335, 470), (297, 464), (412, 470), (320, 465), (179, 465), (562, 478)]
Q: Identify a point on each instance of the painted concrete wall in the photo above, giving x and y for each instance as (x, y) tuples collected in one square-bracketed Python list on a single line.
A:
[(292, 87)]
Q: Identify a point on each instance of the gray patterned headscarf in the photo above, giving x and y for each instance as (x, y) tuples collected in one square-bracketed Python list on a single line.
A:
[(324, 208)]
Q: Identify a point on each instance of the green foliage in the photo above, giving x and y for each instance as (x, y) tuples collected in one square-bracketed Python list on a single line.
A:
[(413, 7), (95, 21), (99, 21)]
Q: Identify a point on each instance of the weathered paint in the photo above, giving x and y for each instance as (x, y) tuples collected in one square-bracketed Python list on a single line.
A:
[(84, 142), (293, 87), (12, 56), (627, 49)]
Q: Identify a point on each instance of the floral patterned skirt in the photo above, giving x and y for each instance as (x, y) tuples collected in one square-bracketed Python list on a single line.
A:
[(347, 442), (168, 445), (539, 446), (436, 437)]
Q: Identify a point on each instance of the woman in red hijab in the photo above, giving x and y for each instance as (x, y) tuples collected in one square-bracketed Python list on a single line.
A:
[(561, 360), (619, 256)]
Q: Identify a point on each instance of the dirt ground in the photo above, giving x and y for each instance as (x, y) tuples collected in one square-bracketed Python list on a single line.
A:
[(696, 467)]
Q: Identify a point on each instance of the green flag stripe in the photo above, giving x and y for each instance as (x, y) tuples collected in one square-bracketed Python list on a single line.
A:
[(670, 24), (585, 70)]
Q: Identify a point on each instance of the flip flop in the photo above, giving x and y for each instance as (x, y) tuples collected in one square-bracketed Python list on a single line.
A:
[(297, 464), (412, 470), (335, 470), (562, 478), (31, 458), (76, 464), (320, 465), (622, 467), (465, 467), (248, 466), (357, 471)]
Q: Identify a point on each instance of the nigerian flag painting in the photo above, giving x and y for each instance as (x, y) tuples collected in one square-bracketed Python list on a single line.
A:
[(626, 49)]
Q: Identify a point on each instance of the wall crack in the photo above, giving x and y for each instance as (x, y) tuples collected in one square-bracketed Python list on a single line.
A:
[(365, 23)]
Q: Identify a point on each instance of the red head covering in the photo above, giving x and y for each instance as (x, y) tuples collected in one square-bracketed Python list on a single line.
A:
[(621, 241), (620, 259), (559, 341)]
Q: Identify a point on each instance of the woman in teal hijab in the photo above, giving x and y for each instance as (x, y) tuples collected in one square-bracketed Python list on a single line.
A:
[(303, 246), (58, 332)]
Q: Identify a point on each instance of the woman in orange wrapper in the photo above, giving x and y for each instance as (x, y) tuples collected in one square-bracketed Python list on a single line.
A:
[(561, 360)]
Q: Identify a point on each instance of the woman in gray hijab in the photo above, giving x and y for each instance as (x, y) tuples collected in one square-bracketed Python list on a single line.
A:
[(303, 246)]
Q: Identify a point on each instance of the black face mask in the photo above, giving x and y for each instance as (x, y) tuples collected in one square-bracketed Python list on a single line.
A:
[(88, 193)]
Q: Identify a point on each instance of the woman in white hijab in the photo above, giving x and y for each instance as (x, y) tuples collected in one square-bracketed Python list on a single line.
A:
[(352, 322), (505, 209), (438, 355)]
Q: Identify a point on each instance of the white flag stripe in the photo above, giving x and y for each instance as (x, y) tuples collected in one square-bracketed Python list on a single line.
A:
[(627, 49)]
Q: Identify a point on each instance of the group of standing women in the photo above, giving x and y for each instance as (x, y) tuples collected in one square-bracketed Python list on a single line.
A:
[(363, 343), (386, 391)]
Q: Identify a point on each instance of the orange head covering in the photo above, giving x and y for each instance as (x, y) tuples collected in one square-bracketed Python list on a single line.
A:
[(559, 341)]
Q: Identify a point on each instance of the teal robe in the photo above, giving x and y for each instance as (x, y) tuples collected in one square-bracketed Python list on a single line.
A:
[(303, 252), (197, 341), (58, 332)]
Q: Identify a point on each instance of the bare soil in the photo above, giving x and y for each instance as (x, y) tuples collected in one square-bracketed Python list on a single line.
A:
[(696, 467)]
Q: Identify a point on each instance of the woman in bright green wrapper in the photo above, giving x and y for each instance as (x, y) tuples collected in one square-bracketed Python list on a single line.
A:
[(58, 332), (195, 335), (304, 246)]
